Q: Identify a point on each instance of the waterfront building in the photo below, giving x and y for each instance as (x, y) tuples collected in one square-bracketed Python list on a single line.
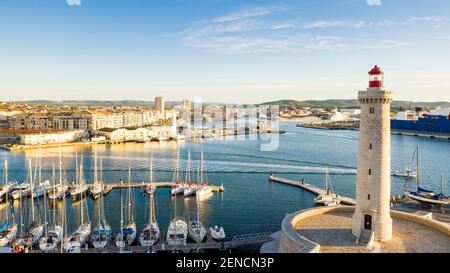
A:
[(373, 181), (159, 106), (51, 137), (186, 105)]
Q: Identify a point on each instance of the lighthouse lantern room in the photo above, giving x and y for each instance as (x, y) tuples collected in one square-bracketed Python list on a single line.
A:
[(376, 77)]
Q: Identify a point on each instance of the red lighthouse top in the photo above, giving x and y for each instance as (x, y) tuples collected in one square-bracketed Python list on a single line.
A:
[(376, 77)]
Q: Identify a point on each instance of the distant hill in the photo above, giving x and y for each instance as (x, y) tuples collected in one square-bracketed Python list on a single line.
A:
[(353, 103), (96, 102)]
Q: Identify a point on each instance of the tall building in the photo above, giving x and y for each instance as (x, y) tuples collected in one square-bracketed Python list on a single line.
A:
[(186, 104), (373, 181), (159, 106)]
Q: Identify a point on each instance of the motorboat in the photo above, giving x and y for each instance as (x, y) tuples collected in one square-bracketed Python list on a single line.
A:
[(217, 233), (177, 232)]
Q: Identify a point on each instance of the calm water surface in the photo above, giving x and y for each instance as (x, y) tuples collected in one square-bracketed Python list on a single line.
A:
[(250, 203)]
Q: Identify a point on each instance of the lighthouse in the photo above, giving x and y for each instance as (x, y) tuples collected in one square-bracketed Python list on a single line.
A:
[(373, 180)]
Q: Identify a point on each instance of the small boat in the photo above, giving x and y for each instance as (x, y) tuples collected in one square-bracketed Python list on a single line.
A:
[(8, 233), (197, 231), (21, 191), (80, 189), (41, 189), (177, 232), (35, 232), (424, 195), (127, 234), (60, 191), (96, 189), (328, 198), (179, 188), (8, 186), (53, 238), (151, 233), (407, 172), (101, 235), (204, 190), (190, 189), (217, 233), (78, 238)]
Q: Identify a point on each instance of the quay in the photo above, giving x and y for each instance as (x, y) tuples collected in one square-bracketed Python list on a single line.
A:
[(308, 187), (210, 244), (109, 186)]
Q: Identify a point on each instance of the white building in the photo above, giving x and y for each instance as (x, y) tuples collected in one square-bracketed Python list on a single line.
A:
[(440, 112), (373, 180), (52, 138)]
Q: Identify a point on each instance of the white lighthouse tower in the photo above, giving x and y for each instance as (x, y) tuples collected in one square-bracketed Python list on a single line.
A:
[(373, 181)]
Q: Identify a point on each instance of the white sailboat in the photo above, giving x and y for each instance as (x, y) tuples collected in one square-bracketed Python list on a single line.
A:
[(101, 235), (423, 195), (7, 185), (8, 231), (217, 233), (197, 230), (180, 186), (54, 233), (79, 237), (190, 187), (151, 233), (35, 229), (203, 189), (127, 235), (328, 198), (41, 188), (59, 192), (98, 187), (21, 190), (177, 231)]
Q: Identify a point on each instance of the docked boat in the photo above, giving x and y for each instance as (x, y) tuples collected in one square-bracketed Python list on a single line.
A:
[(180, 186), (41, 189), (98, 187), (22, 190), (80, 189), (8, 186), (423, 195), (328, 198), (8, 231), (204, 190), (60, 191), (190, 189), (35, 232), (78, 238), (217, 233), (127, 233), (150, 235), (101, 235), (177, 232), (52, 239), (405, 173), (197, 230)]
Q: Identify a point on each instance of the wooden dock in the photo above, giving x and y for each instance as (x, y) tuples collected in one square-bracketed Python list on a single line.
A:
[(109, 186), (309, 187)]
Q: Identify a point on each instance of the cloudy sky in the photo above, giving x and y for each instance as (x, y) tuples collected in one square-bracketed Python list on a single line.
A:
[(222, 50)]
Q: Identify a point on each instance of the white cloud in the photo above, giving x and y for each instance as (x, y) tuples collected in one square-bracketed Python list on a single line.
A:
[(247, 13), (335, 24), (73, 2), (374, 2)]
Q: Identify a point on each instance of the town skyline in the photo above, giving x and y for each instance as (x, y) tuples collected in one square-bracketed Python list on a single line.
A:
[(229, 51)]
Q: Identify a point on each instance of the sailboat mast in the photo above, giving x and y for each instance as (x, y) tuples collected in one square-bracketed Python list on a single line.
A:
[(53, 187), (418, 168), (77, 174), (32, 191), (6, 171), (95, 165), (129, 195), (442, 181)]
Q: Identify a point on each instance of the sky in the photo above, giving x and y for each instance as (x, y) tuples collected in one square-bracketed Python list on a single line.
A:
[(222, 50)]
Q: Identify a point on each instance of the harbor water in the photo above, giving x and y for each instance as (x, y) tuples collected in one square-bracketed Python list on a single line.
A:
[(250, 203)]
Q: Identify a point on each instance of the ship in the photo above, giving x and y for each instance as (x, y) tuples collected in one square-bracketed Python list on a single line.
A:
[(434, 124)]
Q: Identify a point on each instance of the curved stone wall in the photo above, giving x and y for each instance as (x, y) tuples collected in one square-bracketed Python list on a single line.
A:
[(292, 242)]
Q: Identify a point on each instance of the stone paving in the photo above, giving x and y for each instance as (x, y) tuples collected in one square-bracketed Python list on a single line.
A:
[(333, 232)]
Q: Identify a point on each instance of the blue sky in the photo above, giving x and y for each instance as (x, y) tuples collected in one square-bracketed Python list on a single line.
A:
[(222, 50)]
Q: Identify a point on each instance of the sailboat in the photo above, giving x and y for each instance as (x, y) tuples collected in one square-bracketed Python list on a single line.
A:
[(8, 231), (328, 198), (180, 186), (177, 232), (41, 188), (53, 234), (197, 230), (80, 236), (407, 172), (79, 192), (191, 187), (59, 192), (35, 229), (7, 186), (151, 233), (424, 195), (128, 232), (101, 235), (98, 187), (203, 189), (23, 189)]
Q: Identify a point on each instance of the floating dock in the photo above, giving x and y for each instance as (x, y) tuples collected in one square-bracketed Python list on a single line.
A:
[(309, 187), (109, 186)]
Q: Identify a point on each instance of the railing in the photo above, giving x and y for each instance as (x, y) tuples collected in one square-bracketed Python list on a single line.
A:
[(251, 238)]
